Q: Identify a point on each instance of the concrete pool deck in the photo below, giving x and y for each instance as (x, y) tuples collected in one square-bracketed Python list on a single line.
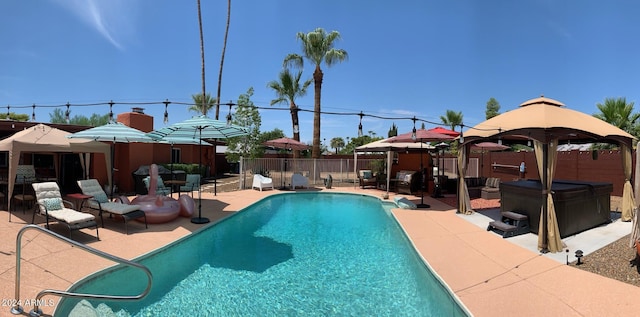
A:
[(490, 275)]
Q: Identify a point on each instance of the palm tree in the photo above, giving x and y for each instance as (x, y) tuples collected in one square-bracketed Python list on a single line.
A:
[(287, 90), (452, 119), (337, 143), (202, 105), (224, 49), (203, 108), (317, 46), (619, 113)]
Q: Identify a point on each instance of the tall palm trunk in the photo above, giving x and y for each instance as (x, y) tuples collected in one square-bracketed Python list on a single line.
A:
[(204, 91), (317, 79), (224, 48), (294, 122)]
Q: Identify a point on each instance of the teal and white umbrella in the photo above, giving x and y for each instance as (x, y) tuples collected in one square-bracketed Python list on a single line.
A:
[(199, 128), (114, 132)]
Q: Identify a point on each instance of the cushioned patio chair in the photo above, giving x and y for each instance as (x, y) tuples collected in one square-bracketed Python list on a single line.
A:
[(50, 205), (366, 178), (192, 184), (298, 180), (491, 189), (262, 182), (101, 203), (161, 189)]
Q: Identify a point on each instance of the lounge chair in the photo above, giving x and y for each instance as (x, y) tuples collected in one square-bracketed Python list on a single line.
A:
[(298, 180), (51, 206), (192, 184), (491, 189), (367, 178), (262, 182), (161, 189), (101, 203)]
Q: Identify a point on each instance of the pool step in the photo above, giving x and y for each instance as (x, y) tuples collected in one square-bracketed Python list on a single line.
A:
[(511, 224)]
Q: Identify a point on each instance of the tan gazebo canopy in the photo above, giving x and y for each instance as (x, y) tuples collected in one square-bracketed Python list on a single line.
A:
[(546, 122), (45, 139)]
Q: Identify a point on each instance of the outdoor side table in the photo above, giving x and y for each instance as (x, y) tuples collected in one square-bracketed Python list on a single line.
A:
[(79, 197), (175, 183)]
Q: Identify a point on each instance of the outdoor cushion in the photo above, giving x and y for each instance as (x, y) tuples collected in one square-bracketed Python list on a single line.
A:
[(113, 207), (71, 216), (52, 203)]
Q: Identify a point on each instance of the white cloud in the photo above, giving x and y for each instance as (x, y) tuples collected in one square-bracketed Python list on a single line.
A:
[(112, 18)]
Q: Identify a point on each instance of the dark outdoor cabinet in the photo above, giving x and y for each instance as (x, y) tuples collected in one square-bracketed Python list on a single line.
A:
[(579, 205)]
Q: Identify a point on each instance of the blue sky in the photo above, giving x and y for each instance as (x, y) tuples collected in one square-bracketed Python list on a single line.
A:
[(406, 58)]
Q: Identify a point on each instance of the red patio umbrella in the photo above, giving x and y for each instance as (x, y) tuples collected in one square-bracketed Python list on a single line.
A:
[(487, 146), (287, 144), (442, 130)]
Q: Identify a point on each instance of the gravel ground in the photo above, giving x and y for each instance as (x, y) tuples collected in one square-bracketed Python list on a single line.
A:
[(612, 261)]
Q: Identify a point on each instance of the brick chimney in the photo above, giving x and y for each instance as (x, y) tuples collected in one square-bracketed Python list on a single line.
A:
[(137, 119)]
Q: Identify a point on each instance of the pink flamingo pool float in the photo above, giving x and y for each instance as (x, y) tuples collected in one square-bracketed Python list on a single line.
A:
[(160, 208)]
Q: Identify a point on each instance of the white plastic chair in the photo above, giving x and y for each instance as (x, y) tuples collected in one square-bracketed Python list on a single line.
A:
[(262, 182)]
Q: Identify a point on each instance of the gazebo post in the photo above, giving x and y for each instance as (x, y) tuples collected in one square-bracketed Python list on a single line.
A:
[(545, 193)]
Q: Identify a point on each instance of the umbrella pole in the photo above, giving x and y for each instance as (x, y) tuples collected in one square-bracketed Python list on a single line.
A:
[(113, 157), (200, 219), (215, 168), (171, 159), (422, 204)]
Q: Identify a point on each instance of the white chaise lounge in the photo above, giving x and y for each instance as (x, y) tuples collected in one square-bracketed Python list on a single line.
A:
[(51, 206), (262, 182)]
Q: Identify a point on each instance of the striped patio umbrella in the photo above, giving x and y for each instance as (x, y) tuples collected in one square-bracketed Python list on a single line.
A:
[(114, 132), (199, 128)]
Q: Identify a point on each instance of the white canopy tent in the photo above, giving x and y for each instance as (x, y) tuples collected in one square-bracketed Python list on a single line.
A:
[(389, 148), (45, 139)]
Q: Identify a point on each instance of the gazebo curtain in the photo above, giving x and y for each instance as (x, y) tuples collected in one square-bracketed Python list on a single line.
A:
[(464, 201), (628, 200), (552, 233)]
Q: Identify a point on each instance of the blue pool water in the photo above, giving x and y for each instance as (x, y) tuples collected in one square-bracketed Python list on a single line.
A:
[(297, 254)]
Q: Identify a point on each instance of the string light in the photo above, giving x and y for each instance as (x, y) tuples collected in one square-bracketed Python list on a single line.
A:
[(111, 111), (33, 113), (166, 111), (413, 132), (67, 113), (360, 114), (229, 117)]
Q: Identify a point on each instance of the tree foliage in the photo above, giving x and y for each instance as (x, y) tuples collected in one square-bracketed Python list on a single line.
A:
[(209, 102), (95, 120), (393, 131), (248, 116), (337, 143), (493, 108), (317, 47), (14, 116), (619, 113), (452, 119), (287, 90)]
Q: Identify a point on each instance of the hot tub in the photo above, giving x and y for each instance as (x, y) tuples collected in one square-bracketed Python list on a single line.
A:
[(579, 205)]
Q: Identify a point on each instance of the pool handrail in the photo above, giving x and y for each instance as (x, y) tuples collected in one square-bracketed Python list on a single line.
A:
[(16, 309)]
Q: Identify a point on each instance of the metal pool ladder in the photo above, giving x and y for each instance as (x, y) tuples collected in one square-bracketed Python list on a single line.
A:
[(36, 312)]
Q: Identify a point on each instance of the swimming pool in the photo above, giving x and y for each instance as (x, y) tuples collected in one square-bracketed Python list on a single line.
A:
[(288, 254)]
